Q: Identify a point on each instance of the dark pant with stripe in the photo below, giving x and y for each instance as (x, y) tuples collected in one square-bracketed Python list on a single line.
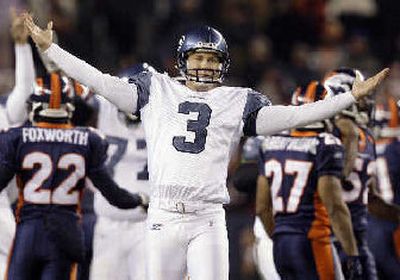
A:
[(366, 258), (382, 236), (35, 256), (297, 257)]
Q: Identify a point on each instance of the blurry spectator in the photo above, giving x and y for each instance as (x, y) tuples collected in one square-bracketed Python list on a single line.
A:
[(359, 55), (299, 64), (295, 21), (277, 85), (330, 53), (259, 58), (355, 15)]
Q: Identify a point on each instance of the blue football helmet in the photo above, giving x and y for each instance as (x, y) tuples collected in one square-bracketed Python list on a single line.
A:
[(51, 100), (309, 93), (203, 39), (340, 81)]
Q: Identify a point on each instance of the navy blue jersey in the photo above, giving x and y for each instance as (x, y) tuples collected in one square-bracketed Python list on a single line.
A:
[(355, 189), (388, 169), (51, 163), (292, 165)]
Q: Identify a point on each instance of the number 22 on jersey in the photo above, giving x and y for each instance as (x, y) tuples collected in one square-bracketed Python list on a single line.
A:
[(64, 193), (300, 170)]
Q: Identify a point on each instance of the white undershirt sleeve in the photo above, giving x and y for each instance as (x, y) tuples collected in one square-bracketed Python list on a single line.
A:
[(273, 119), (119, 92), (24, 79)]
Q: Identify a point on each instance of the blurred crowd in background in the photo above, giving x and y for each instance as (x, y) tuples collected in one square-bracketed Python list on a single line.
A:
[(274, 46)]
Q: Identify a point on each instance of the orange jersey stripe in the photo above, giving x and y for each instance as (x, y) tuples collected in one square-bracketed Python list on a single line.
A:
[(396, 241), (55, 97), (310, 93), (362, 141), (298, 133), (319, 234), (320, 227), (54, 125), (394, 121), (21, 200), (73, 275), (323, 257)]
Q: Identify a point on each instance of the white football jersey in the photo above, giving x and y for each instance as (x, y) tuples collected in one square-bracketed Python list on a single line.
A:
[(191, 135), (127, 159), (4, 202)]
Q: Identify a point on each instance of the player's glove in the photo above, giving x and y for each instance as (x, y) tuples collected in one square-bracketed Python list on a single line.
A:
[(353, 268)]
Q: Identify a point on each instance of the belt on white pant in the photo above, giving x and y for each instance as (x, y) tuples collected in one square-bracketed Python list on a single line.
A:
[(183, 206)]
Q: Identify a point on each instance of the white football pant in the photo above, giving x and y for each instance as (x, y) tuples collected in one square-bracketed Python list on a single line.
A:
[(194, 244), (7, 231), (119, 250), (263, 254)]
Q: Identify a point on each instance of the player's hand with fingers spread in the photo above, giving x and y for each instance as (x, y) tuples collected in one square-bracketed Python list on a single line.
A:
[(42, 38), (364, 88)]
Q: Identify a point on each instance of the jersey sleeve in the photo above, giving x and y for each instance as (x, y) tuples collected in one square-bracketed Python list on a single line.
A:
[(117, 91), (98, 151), (330, 157), (273, 119), (24, 79), (261, 159), (142, 81), (255, 101), (102, 180)]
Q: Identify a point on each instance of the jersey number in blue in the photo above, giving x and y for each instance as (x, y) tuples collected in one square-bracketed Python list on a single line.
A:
[(197, 126), (117, 150)]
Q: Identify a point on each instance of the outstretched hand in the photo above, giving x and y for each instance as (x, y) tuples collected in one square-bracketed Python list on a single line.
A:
[(42, 38), (364, 88), (18, 31)]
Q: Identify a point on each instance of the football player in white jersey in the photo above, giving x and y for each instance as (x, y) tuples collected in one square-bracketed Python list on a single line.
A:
[(119, 250), (191, 130), (7, 223), (22, 51)]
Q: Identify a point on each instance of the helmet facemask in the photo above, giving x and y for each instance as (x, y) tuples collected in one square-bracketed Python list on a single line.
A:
[(203, 75)]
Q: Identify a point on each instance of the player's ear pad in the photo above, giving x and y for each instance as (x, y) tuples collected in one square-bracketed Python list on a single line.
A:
[(65, 230)]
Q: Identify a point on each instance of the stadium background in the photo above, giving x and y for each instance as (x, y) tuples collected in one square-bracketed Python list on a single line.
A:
[(274, 46)]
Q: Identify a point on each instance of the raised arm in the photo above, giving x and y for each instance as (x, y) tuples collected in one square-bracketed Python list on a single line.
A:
[(24, 72), (349, 136), (119, 92), (273, 119)]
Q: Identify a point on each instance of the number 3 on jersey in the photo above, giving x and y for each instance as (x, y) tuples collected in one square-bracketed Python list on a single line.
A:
[(199, 127)]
